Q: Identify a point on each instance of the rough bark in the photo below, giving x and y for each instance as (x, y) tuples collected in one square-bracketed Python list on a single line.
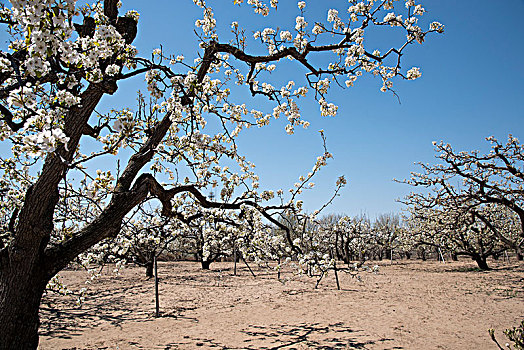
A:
[(24, 268), (21, 289)]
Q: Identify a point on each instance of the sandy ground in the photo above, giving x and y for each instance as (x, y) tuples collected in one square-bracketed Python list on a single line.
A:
[(407, 305)]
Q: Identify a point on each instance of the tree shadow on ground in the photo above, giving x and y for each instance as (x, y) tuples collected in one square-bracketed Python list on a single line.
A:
[(61, 317), (299, 336), (471, 267), (113, 306), (314, 335)]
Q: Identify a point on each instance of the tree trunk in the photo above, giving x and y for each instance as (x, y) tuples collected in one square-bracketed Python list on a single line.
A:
[(149, 269), (422, 254), (347, 257), (337, 249), (520, 257), (454, 256), (27, 263), (205, 264), (481, 262), (20, 296)]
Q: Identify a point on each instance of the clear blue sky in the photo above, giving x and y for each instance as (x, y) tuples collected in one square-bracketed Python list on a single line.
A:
[(471, 87)]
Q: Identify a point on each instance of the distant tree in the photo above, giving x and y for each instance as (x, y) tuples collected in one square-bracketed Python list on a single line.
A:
[(386, 229), (207, 238), (147, 235), (478, 186), (460, 231), (351, 237)]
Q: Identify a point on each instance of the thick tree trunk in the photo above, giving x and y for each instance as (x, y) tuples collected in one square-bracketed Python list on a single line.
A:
[(150, 263), (20, 296), (24, 269), (27, 263)]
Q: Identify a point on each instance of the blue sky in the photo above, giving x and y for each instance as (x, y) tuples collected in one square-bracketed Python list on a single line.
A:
[(471, 88)]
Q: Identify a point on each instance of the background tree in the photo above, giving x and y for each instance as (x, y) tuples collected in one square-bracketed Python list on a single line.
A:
[(479, 184), (351, 237), (208, 238), (385, 233), (459, 231), (147, 234)]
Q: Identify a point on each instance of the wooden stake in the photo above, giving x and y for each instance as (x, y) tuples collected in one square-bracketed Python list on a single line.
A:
[(336, 275), (245, 262), (235, 259), (157, 303), (319, 279), (441, 256)]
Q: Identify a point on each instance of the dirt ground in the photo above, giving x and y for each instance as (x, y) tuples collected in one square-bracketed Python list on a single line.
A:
[(406, 305)]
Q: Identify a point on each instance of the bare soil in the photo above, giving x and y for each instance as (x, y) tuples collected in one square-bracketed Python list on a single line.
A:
[(406, 305)]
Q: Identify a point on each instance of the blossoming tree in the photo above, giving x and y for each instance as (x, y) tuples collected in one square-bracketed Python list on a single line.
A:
[(477, 198), (459, 230), (62, 58), (146, 235)]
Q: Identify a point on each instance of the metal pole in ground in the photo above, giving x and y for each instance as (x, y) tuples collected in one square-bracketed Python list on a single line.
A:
[(441, 256), (157, 303), (245, 262), (336, 274), (235, 259)]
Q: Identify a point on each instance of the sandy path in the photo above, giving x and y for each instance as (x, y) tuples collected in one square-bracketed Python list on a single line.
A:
[(409, 305)]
